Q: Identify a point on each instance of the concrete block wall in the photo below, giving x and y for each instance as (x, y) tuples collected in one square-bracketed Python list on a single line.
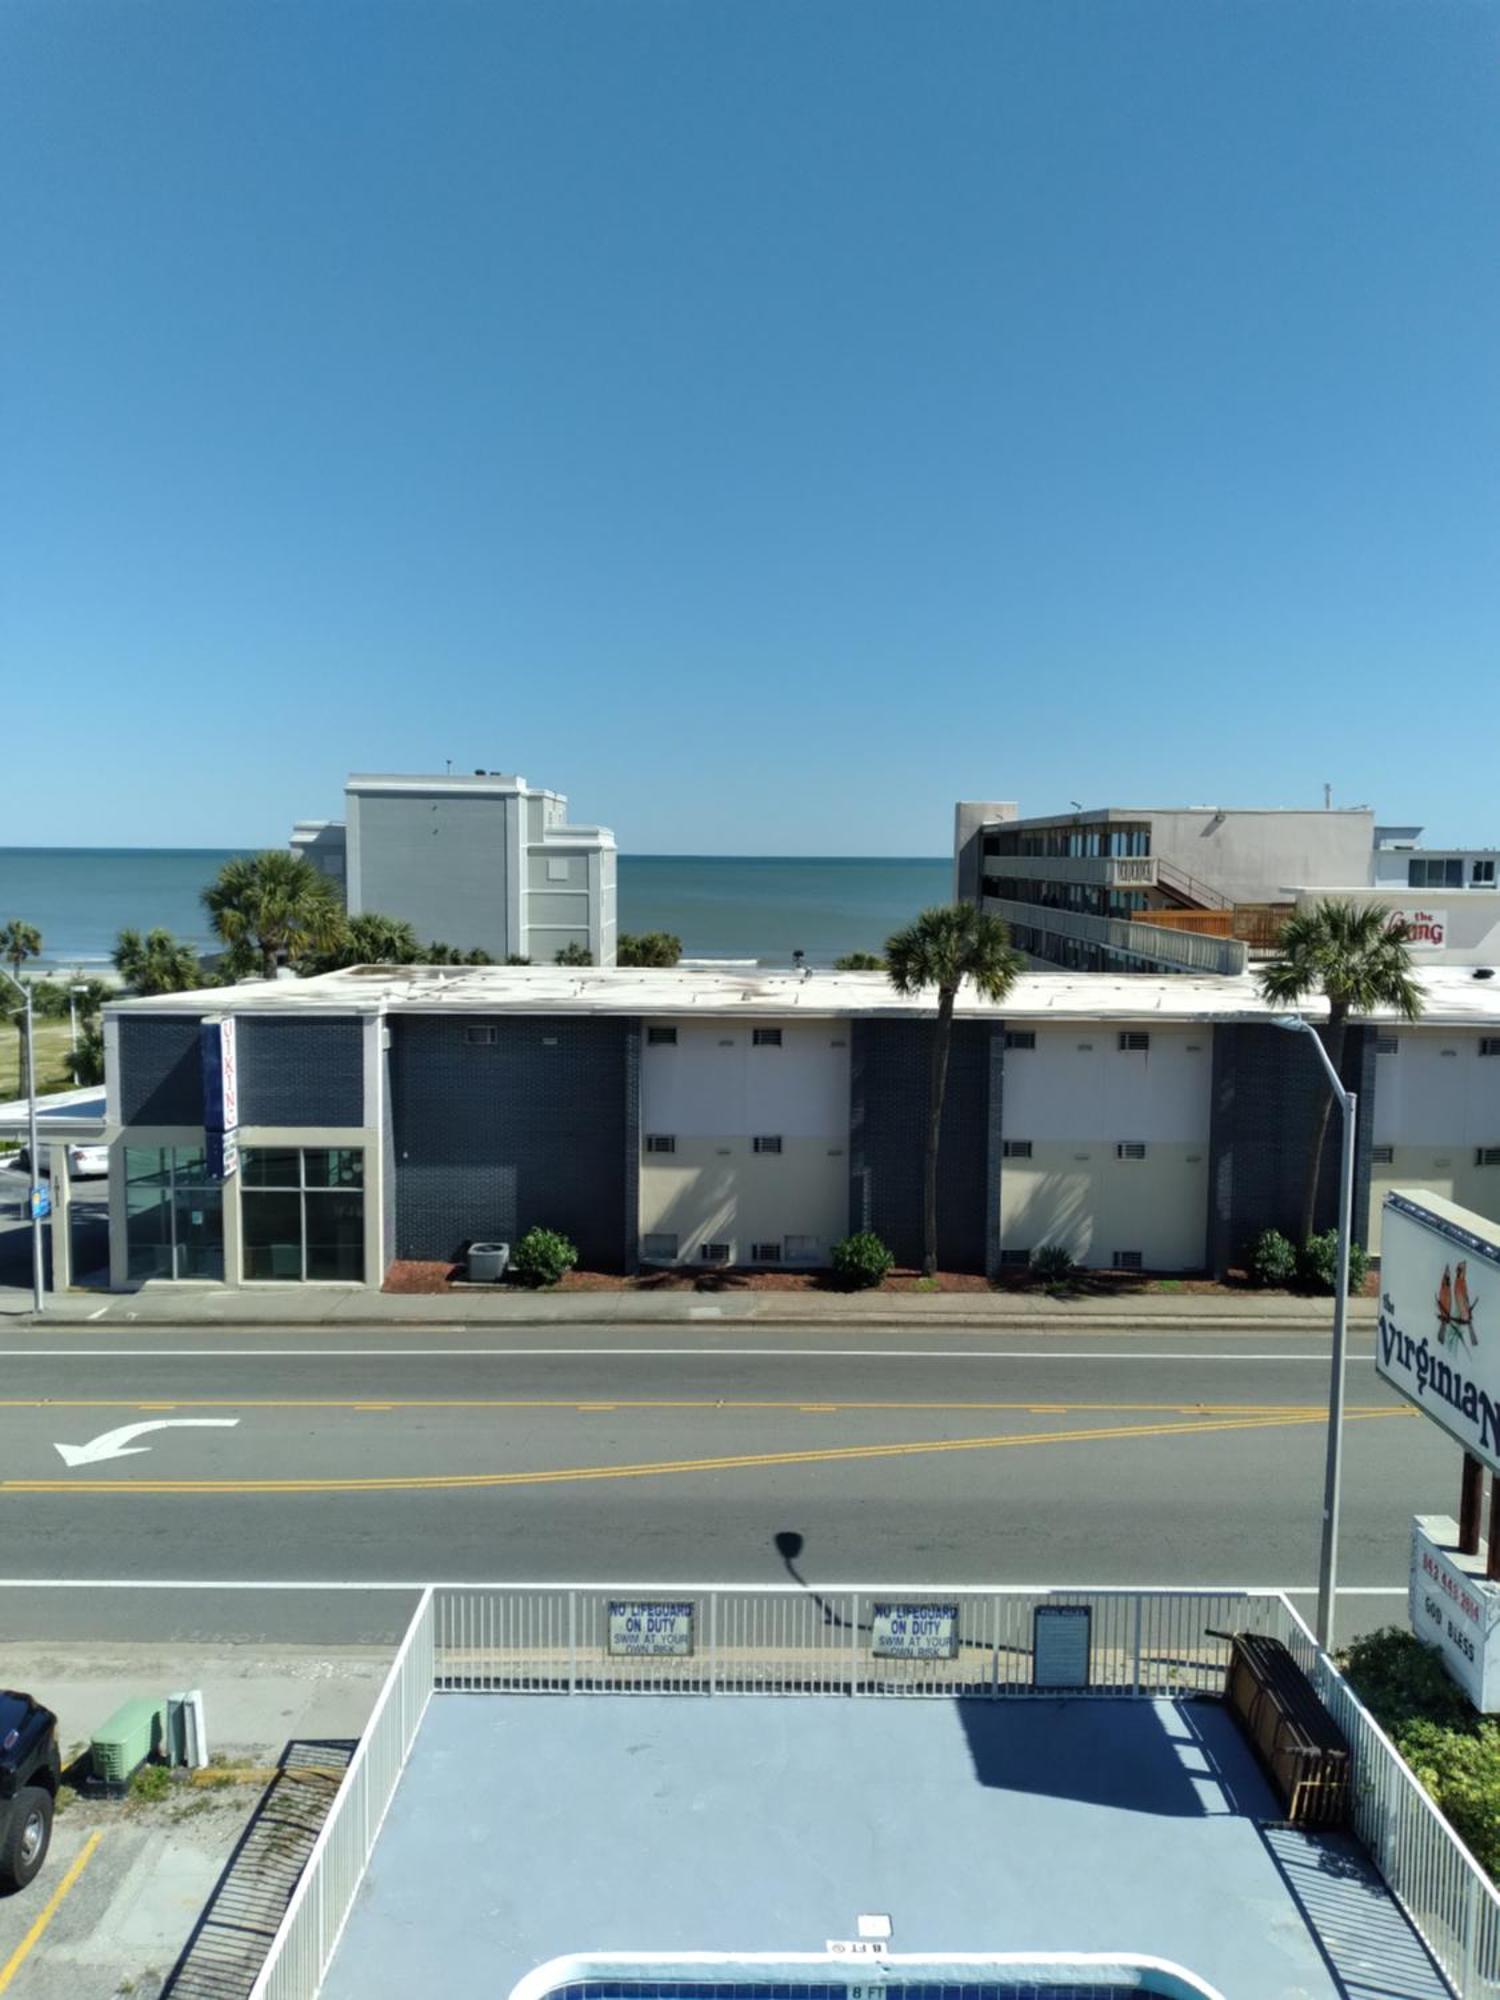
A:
[(300, 1072)]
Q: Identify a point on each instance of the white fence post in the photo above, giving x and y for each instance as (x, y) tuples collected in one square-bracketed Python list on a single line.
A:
[(1136, 1678)]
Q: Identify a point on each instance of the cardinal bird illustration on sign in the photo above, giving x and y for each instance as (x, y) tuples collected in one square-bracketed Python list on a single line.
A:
[(1455, 1309)]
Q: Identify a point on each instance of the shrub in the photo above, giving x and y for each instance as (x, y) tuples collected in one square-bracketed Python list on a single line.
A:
[(151, 1783), (659, 948), (859, 961), (1053, 1264), (517, 958), (1318, 1263), (542, 1257), (1454, 1752), (862, 1260), (1271, 1259), (574, 954)]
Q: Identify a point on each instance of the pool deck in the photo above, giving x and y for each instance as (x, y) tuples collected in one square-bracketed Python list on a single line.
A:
[(530, 1827)]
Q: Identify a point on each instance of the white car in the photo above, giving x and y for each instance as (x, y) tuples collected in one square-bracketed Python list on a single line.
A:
[(84, 1162)]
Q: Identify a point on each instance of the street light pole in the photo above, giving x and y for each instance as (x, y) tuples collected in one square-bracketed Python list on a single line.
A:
[(38, 1266), (1333, 1463)]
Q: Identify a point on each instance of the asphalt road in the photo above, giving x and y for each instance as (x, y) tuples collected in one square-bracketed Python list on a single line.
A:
[(369, 1460)]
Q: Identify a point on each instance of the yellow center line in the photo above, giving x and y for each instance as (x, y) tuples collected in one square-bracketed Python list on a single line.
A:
[(49, 1910), (624, 1403), (660, 1468)]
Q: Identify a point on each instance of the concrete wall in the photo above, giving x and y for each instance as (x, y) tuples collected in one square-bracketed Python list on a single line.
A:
[(1251, 856), (712, 1092), (323, 842), (1267, 1091), (888, 1134), (492, 1137), (970, 818), (1437, 1103), (439, 860), (1075, 1098)]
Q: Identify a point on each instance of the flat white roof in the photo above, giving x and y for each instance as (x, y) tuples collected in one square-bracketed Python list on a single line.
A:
[(1454, 995)]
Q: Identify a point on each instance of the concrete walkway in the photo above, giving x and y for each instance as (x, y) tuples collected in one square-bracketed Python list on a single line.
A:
[(334, 1305)]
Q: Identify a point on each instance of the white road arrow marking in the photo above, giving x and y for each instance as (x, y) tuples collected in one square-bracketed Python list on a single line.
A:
[(116, 1444)]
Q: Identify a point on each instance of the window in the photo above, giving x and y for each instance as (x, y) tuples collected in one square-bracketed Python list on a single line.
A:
[(713, 1253), (660, 1038), (174, 1214), (1128, 1260), (802, 1249), (1387, 1045), (1382, 1156), (661, 1142), (766, 1038), (1489, 1045), (1020, 1038), (1487, 1156), (1484, 872), (765, 1253), (1432, 874), (1133, 1040), (768, 1142), (479, 1037), (1130, 1149), (659, 1248), (1015, 1149), (557, 871), (302, 1213)]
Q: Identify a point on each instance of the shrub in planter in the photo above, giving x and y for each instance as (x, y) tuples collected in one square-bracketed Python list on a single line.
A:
[(1053, 1264), (861, 1260), (1318, 1263), (1272, 1259), (542, 1257)]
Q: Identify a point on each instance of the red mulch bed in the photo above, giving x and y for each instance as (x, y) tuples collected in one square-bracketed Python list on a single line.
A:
[(411, 1276)]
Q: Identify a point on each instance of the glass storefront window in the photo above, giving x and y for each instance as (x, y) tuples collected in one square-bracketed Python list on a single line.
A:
[(302, 1213), (174, 1214)]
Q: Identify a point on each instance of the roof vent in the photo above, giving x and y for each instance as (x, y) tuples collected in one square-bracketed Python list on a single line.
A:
[(1484, 972)]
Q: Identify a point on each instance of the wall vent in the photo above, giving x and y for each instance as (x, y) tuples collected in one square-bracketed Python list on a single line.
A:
[(1015, 1149), (1128, 1260), (661, 1037), (1020, 1038), (661, 1142), (479, 1038), (1134, 1040), (1130, 1149), (1382, 1156)]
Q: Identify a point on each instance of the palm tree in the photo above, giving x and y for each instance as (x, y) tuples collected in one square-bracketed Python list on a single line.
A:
[(370, 939), (156, 963), (1359, 960), (18, 942), (943, 948), (275, 906)]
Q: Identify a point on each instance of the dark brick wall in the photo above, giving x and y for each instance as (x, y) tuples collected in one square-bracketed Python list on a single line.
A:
[(632, 1147), (1267, 1091), (161, 1073), (888, 1078), (300, 1072), (387, 1160), (532, 1128)]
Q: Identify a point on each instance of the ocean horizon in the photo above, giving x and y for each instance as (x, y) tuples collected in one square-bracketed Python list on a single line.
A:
[(722, 906)]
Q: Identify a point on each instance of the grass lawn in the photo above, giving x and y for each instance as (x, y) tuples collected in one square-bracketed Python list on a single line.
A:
[(53, 1043)]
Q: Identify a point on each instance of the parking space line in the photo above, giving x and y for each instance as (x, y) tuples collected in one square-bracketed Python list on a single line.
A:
[(50, 1909)]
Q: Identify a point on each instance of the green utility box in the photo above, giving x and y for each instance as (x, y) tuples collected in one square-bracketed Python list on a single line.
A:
[(132, 1734)]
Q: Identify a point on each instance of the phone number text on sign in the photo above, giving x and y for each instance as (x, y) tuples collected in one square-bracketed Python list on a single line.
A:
[(650, 1631), (914, 1631)]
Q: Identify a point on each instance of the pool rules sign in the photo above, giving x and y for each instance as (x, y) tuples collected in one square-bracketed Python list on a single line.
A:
[(1437, 1341)]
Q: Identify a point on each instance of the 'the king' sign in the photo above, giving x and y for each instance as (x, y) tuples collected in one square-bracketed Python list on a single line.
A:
[(1438, 1339)]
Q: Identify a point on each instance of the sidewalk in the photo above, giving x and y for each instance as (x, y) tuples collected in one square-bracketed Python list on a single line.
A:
[(985, 1312)]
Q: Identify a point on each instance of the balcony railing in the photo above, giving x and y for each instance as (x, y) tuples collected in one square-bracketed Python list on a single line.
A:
[(1140, 939)]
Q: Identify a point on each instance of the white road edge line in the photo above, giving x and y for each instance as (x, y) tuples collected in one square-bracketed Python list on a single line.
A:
[(1019, 1589), (630, 1353)]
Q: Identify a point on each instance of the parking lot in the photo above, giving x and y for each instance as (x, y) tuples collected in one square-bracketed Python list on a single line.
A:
[(90, 1237)]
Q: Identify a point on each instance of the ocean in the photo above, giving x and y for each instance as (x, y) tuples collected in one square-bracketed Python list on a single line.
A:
[(721, 906)]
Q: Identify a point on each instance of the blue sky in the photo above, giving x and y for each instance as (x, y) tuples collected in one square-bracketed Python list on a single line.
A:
[(766, 422)]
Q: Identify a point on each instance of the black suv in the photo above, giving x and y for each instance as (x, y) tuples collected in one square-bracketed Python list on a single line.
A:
[(30, 1770)]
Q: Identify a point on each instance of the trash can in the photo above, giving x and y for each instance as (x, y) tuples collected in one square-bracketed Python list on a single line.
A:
[(487, 1262)]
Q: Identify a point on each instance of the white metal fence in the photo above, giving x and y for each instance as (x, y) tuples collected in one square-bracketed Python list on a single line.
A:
[(783, 1640), (319, 1907), (1446, 1894)]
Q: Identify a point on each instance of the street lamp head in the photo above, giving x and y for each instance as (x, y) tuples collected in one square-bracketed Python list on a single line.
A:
[(1292, 1021)]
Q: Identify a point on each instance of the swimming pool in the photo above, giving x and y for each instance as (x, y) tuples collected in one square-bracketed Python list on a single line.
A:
[(888, 1976)]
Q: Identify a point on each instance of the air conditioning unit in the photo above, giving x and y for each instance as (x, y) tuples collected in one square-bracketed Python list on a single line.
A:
[(488, 1262), (132, 1735)]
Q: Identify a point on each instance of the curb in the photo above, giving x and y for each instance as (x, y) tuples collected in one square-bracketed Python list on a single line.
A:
[(969, 1322)]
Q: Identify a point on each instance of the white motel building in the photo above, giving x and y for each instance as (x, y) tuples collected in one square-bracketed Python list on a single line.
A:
[(709, 1118)]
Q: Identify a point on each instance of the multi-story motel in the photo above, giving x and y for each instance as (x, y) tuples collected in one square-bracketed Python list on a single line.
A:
[(701, 1118), (485, 862), (1206, 889)]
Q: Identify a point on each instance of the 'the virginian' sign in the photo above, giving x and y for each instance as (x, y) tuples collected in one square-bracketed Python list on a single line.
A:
[(1438, 1339)]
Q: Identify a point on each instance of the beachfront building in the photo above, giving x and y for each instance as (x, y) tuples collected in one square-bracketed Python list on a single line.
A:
[(708, 1119), (1148, 889), (483, 862)]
